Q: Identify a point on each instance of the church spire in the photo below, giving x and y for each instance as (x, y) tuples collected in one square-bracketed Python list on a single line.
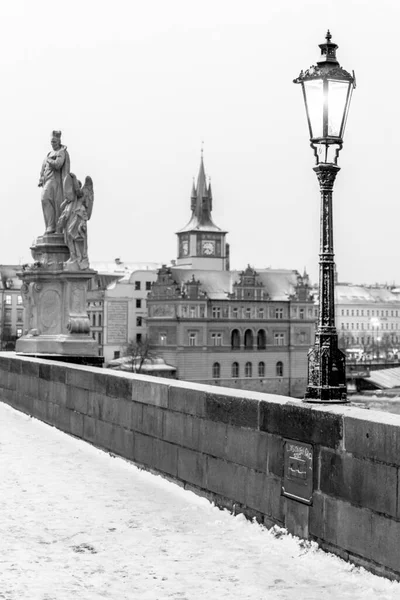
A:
[(201, 203)]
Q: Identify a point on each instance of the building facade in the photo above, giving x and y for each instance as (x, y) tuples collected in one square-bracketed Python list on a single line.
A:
[(117, 305), (250, 329), (11, 307), (368, 319)]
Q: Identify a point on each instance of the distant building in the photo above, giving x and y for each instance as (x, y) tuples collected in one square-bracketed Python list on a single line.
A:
[(12, 309), (367, 316), (250, 329), (116, 304)]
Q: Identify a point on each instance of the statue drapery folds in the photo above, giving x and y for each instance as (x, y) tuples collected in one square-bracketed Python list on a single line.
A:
[(76, 212)]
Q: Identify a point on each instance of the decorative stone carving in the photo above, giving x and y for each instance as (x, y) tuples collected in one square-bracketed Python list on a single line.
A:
[(55, 167), (54, 287), (77, 210)]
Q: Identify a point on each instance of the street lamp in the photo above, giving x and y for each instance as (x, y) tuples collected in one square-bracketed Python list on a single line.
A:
[(327, 90)]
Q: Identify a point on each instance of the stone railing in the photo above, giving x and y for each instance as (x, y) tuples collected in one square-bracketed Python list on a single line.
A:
[(327, 473)]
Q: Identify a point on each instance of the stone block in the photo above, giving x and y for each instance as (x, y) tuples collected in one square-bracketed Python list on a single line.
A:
[(237, 411), (296, 518), (124, 413), (76, 424), (192, 467), (191, 402), (45, 371), (122, 442), (247, 447), (300, 422), (30, 368), (263, 493), (15, 365), (369, 484), (165, 457), (275, 454), (28, 385), (4, 364), (144, 449), (95, 404), (137, 416), (118, 386), (357, 530), (150, 393), (213, 437), (152, 421), (12, 380), (46, 391), (80, 378), (77, 399), (62, 417), (59, 393), (59, 372), (89, 429), (182, 429), (100, 381), (227, 479), (373, 438), (104, 435), (39, 408)]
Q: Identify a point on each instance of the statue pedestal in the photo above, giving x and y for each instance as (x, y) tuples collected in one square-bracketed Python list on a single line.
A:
[(56, 321)]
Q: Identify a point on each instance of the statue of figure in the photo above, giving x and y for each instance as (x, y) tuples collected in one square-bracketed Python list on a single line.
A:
[(76, 212), (55, 167)]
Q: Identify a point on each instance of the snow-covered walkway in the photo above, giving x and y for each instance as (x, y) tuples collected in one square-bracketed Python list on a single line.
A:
[(78, 524)]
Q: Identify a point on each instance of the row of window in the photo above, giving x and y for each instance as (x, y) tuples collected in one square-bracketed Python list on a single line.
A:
[(248, 370), (248, 339), (229, 312), (367, 340), (96, 319), (369, 327), (360, 313), (8, 299), (138, 286)]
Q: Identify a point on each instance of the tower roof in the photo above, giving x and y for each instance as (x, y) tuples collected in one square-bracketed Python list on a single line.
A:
[(201, 205)]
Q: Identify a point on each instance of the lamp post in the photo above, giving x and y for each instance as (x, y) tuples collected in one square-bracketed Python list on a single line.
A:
[(327, 90)]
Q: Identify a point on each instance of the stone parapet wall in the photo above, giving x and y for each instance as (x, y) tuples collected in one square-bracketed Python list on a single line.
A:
[(229, 445)]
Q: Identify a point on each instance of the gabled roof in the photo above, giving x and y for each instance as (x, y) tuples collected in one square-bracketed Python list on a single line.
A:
[(278, 283)]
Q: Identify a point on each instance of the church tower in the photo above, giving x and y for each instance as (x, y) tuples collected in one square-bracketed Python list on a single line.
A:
[(201, 244)]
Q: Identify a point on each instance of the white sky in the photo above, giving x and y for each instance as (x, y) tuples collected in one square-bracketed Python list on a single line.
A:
[(136, 86)]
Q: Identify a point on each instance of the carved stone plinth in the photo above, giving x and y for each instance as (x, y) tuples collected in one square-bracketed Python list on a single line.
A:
[(326, 371), (56, 320)]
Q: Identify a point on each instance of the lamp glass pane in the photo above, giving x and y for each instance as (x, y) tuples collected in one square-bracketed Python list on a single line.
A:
[(313, 90), (336, 101)]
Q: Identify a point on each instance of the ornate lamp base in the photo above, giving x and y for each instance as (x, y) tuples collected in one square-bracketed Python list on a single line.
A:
[(326, 371)]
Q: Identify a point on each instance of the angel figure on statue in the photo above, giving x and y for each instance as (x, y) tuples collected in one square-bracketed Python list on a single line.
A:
[(76, 212)]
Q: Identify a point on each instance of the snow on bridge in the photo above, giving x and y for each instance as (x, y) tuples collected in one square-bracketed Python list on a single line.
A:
[(77, 523)]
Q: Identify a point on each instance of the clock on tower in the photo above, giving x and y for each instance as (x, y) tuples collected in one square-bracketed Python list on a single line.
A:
[(208, 247)]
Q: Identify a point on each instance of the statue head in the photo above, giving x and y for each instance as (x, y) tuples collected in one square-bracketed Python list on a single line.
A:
[(55, 140)]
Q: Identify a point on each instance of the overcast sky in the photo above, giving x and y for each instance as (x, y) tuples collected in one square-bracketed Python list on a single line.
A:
[(136, 86)]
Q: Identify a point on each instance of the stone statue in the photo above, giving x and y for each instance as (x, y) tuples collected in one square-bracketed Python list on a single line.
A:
[(55, 167), (76, 212)]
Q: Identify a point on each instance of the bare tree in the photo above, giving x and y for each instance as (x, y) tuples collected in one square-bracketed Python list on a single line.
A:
[(138, 352)]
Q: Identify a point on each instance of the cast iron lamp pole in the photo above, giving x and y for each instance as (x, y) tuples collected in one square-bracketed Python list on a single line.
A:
[(327, 92)]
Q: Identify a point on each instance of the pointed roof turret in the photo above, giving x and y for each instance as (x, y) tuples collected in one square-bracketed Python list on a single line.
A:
[(201, 204)]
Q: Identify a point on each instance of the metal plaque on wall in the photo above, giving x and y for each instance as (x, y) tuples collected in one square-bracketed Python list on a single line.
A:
[(298, 471)]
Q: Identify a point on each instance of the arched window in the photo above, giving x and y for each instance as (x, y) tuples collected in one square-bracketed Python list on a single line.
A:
[(261, 369), (235, 339), (235, 370), (248, 339), (261, 340), (248, 369), (216, 370), (279, 369)]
